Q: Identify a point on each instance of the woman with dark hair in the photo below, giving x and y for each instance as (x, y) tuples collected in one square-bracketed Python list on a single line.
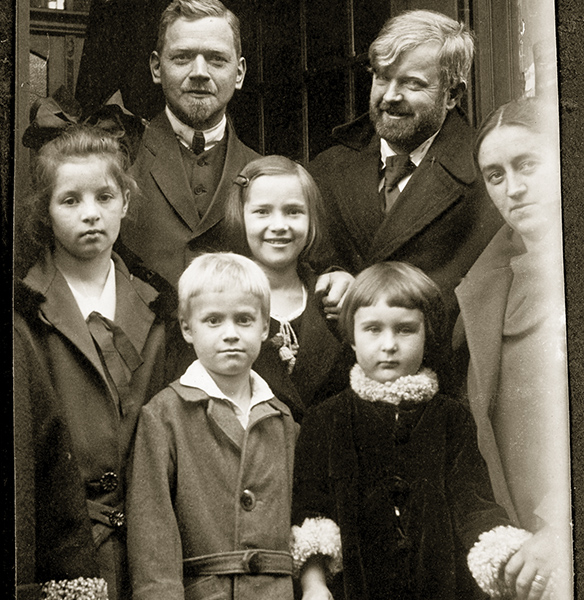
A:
[(513, 319)]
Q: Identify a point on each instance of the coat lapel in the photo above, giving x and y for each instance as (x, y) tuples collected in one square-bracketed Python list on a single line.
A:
[(482, 297), (437, 183), (133, 314), (359, 198), (61, 311), (168, 170)]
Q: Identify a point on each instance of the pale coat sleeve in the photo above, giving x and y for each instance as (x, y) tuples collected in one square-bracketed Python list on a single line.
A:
[(154, 543)]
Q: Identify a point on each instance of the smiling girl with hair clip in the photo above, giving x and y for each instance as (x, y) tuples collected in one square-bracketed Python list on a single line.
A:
[(274, 212)]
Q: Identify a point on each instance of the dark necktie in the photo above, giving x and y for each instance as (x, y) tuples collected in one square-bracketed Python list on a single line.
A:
[(396, 168), (118, 353), (198, 144)]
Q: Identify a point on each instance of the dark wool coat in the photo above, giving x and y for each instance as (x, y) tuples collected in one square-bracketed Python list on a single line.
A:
[(441, 221), (163, 226), (322, 363), (361, 463), (101, 435), (52, 527), (203, 485)]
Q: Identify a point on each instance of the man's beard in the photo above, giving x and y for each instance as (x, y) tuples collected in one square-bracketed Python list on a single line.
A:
[(407, 133), (198, 112)]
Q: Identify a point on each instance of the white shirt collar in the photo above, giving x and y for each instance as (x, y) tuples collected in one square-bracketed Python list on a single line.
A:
[(184, 133), (105, 305), (197, 376), (416, 156)]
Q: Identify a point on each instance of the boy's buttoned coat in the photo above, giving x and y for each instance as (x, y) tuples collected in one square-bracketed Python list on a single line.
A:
[(101, 431), (203, 485), (163, 226)]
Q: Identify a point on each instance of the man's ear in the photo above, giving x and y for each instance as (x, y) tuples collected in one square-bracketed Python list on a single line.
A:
[(155, 66), (241, 69), (455, 95)]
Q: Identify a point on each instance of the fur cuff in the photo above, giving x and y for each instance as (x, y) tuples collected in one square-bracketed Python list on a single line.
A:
[(488, 557), (317, 536), (75, 589)]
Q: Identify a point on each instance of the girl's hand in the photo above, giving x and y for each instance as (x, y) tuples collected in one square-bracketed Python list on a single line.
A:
[(529, 570), (313, 580), (317, 594)]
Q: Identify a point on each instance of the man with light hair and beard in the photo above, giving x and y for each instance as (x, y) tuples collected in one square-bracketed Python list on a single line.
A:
[(402, 184), (190, 153)]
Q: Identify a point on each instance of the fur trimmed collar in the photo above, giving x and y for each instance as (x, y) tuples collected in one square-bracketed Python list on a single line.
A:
[(421, 387)]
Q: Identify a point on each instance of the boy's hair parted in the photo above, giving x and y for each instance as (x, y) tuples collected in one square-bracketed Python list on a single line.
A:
[(413, 28), (223, 272), (77, 141), (399, 284), (194, 10), (271, 166)]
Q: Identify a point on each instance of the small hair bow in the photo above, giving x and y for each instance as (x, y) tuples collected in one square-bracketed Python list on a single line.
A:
[(242, 181)]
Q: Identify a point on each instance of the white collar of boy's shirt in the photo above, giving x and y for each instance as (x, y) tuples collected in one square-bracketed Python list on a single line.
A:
[(198, 377), (416, 157), (105, 305), (185, 134)]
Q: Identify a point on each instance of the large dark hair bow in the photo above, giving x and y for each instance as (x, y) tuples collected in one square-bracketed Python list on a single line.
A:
[(51, 116)]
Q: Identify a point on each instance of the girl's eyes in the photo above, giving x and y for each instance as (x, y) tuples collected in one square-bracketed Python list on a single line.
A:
[(406, 330), (296, 211), (106, 197), (372, 329), (245, 320), (70, 200), (213, 320)]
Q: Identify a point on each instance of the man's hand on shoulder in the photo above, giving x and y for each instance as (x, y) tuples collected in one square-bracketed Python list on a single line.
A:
[(333, 287)]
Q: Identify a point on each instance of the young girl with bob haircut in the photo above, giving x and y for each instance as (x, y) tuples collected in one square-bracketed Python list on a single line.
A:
[(275, 212), (390, 490), (97, 330)]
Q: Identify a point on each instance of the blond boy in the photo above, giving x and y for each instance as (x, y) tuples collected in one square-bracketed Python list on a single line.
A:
[(210, 490)]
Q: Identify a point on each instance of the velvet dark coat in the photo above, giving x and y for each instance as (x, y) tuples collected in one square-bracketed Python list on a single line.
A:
[(322, 364), (441, 221), (52, 527), (101, 435), (359, 463), (163, 226)]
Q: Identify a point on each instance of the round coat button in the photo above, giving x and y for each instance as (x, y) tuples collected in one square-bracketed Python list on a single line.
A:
[(199, 190), (202, 162), (247, 500), (252, 561), (117, 518), (108, 482)]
